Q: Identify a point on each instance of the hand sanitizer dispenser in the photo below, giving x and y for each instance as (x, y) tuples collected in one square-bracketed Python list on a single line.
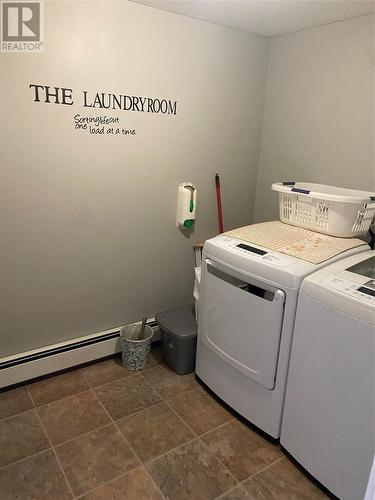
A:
[(186, 205)]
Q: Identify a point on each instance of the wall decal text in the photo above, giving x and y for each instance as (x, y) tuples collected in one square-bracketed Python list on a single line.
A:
[(101, 125), (103, 100)]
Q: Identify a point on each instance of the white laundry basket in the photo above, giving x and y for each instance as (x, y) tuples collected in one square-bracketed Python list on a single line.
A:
[(326, 209)]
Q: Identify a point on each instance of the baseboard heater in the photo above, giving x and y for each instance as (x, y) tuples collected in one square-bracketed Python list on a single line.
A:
[(32, 364)]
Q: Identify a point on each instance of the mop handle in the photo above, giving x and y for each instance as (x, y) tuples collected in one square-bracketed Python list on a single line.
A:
[(219, 209)]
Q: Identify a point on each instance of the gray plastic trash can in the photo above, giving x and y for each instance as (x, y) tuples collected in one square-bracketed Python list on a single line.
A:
[(178, 330)]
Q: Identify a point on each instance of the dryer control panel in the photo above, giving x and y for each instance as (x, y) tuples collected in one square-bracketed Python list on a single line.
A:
[(256, 252)]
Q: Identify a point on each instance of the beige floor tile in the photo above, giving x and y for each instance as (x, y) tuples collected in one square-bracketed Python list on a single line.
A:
[(190, 472), (242, 450), (126, 396), (135, 485), (20, 437), (102, 372), (238, 493), (14, 401), (168, 383), (95, 458), (70, 417), (201, 411), (154, 431), (156, 357), (57, 387), (99, 459), (282, 481), (105, 371), (36, 478)]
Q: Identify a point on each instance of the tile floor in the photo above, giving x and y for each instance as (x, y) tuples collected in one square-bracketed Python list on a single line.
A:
[(101, 432)]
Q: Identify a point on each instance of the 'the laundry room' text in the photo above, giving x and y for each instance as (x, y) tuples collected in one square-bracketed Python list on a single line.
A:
[(103, 100)]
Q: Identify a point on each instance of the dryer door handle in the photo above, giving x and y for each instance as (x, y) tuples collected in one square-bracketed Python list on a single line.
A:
[(226, 276)]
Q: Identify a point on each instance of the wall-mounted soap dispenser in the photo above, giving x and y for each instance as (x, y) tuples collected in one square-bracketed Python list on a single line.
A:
[(186, 205)]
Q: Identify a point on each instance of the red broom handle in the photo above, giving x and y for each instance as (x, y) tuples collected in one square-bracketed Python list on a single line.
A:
[(219, 208)]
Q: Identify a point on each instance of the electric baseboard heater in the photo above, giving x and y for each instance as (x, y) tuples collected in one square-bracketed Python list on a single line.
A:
[(28, 365)]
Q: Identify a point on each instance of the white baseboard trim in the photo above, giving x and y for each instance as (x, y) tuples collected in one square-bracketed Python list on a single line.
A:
[(32, 364)]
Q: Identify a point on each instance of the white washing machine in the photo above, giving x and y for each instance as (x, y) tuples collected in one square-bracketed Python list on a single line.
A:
[(246, 317), (329, 416)]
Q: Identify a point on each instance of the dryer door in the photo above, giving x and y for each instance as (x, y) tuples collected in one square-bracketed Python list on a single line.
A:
[(242, 321)]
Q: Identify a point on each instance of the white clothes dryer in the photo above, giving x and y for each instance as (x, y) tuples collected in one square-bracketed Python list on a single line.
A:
[(247, 307)]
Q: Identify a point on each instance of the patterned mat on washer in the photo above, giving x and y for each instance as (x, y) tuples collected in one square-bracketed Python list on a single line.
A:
[(295, 241)]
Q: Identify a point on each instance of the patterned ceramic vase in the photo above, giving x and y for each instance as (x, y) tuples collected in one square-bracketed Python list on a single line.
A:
[(135, 351)]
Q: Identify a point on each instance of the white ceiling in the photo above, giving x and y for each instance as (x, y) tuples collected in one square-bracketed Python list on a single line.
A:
[(267, 17)]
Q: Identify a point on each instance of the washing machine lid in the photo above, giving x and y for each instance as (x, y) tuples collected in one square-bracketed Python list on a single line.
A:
[(347, 286), (280, 269)]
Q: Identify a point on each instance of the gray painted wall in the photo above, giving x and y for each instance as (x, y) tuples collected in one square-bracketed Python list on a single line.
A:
[(88, 236), (319, 111)]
